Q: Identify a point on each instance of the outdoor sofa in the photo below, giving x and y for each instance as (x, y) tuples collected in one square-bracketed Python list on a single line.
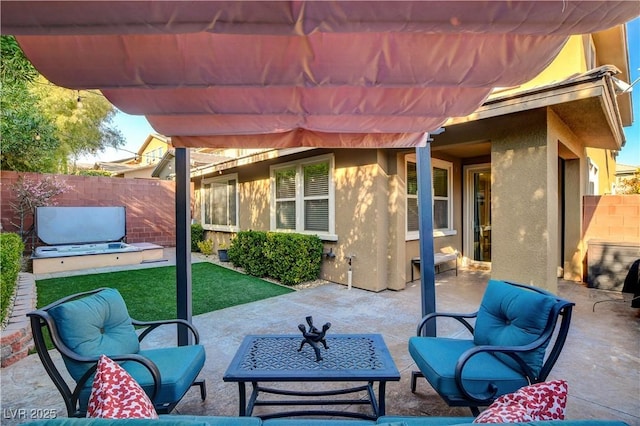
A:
[(184, 420)]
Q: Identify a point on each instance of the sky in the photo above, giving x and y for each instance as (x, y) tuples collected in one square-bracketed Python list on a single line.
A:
[(136, 128), (630, 153)]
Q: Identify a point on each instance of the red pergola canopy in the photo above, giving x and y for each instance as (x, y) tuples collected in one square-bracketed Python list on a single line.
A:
[(292, 73)]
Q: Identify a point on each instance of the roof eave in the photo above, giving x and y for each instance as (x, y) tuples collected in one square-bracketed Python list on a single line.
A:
[(565, 98)]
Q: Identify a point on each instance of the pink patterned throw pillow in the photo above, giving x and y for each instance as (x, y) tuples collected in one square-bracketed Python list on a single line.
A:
[(541, 401), (116, 395)]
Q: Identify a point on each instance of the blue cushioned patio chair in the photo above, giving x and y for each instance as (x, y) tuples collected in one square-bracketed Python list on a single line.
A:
[(509, 347), (86, 325)]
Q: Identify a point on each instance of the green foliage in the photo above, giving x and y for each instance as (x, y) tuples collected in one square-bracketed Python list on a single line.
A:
[(293, 258), (197, 236), (206, 247), (28, 135), (247, 251), (15, 66), (83, 120), (288, 257), (91, 172), (43, 126), (11, 248)]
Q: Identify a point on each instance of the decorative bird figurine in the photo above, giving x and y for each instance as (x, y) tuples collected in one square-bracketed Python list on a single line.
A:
[(314, 336)]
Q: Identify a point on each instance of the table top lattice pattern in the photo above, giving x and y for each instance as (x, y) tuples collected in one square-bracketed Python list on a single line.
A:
[(281, 354)]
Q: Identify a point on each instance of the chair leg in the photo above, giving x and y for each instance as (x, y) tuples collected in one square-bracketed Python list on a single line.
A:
[(414, 378), (203, 388), (475, 411)]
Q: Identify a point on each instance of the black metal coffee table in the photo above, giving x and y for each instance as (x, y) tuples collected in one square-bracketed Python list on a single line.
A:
[(350, 358)]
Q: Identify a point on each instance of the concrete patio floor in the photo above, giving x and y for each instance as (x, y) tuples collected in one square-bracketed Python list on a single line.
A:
[(601, 359)]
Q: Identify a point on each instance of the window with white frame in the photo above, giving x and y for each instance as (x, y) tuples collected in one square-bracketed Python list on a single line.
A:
[(220, 203), (441, 177), (303, 197)]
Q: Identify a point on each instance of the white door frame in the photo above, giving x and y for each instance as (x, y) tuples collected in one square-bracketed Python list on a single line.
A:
[(467, 242)]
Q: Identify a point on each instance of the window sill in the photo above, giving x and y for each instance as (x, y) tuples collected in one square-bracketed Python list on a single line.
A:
[(444, 233), (218, 228), (414, 236), (323, 237)]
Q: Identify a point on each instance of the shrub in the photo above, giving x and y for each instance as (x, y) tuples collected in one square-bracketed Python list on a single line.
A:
[(11, 249), (85, 172), (289, 258), (197, 236), (205, 247), (246, 251), (293, 258)]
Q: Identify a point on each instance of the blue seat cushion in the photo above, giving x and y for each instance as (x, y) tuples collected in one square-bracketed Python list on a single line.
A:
[(436, 357), (513, 316), (95, 325), (179, 366), (420, 421)]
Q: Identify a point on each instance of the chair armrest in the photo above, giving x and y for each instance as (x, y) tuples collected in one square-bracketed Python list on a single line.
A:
[(152, 325), (511, 351), (144, 361), (461, 318)]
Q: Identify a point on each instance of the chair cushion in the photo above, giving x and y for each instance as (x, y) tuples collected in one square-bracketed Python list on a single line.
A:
[(179, 366), (510, 315), (436, 357), (115, 395), (95, 325)]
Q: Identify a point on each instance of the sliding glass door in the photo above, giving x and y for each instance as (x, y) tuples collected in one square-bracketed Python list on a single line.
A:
[(478, 213)]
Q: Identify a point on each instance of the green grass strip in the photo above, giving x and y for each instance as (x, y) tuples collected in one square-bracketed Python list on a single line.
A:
[(150, 294)]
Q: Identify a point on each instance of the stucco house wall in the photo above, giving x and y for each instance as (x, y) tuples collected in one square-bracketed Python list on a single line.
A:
[(362, 223)]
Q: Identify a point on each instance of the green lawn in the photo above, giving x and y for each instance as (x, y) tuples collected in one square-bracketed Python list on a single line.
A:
[(150, 293)]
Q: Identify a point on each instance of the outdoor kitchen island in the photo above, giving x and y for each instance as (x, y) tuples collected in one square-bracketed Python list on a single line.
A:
[(280, 358)]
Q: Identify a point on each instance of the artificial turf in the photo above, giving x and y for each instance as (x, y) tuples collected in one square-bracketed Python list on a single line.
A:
[(150, 294)]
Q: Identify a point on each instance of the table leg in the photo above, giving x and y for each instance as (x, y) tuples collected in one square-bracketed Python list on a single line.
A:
[(243, 399), (381, 406)]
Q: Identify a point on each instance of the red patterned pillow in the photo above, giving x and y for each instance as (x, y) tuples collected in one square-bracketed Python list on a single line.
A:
[(116, 395), (542, 401)]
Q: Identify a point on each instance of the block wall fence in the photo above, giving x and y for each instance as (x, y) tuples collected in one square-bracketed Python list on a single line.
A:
[(611, 217), (150, 203), (611, 233)]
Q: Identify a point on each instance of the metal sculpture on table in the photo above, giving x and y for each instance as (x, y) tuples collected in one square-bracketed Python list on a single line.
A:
[(313, 337)]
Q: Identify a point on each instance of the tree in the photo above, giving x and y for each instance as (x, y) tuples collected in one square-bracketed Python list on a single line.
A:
[(44, 126), (83, 120), (28, 141), (631, 185), (31, 194)]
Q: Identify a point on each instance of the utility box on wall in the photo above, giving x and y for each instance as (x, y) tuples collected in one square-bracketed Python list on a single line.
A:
[(608, 263)]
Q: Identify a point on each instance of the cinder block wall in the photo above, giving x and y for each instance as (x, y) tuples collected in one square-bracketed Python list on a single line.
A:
[(611, 234), (150, 203), (611, 217)]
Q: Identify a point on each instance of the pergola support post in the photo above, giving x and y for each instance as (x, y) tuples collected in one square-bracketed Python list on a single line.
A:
[(425, 214), (183, 243)]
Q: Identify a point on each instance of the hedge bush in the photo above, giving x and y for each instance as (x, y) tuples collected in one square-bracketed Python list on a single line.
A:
[(197, 236), (11, 249), (289, 258), (247, 251)]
